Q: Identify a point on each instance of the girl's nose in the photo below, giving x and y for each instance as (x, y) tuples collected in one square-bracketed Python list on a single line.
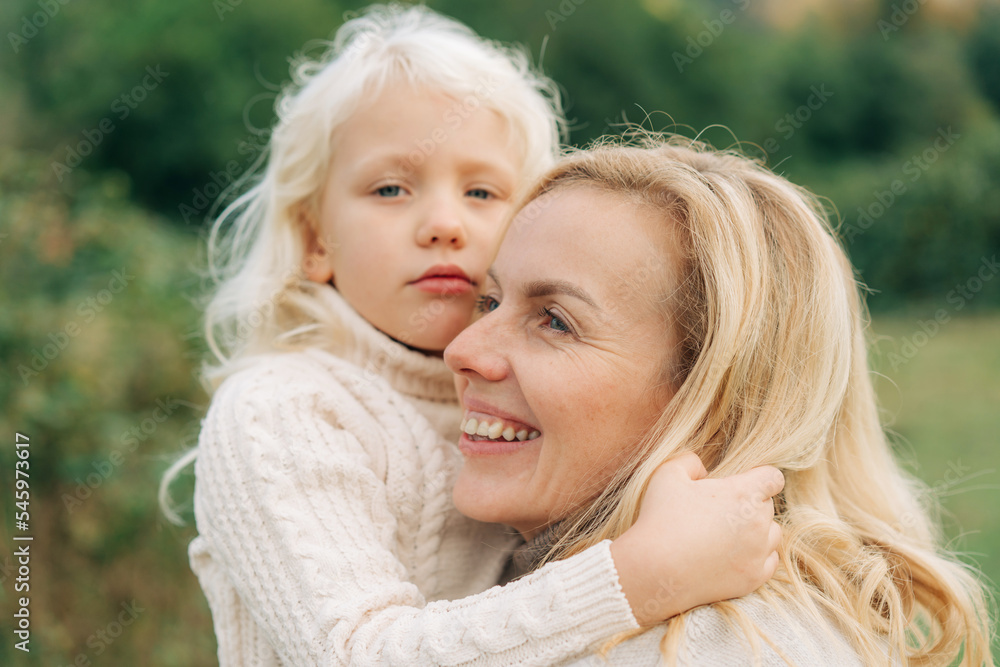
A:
[(441, 224), (476, 354)]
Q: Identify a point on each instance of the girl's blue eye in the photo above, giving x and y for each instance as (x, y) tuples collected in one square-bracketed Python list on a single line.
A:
[(486, 304), (389, 191), (479, 193), (555, 322)]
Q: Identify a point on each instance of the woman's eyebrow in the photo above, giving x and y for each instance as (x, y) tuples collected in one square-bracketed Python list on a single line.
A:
[(539, 288)]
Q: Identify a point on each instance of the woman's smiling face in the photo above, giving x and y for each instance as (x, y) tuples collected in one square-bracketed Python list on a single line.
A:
[(563, 372)]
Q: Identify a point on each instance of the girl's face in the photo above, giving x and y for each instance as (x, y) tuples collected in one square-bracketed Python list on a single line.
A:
[(417, 189), (563, 373)]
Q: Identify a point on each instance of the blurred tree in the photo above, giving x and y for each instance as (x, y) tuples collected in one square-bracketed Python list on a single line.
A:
[(172, 95), (984, 55)]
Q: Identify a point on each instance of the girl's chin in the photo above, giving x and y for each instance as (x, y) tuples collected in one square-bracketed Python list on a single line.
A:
[(432, 346), (430, 343)]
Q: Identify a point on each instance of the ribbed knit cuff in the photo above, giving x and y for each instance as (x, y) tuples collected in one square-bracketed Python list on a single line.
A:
[(594, 594)]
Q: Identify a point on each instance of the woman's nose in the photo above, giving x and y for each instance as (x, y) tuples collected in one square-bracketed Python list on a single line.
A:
[(441, 223), (475, 353)]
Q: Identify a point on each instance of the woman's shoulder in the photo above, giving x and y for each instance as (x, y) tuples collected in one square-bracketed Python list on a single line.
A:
[(715, 638), (788, 636)]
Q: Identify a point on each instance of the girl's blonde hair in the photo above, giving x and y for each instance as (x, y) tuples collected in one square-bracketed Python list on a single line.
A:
[(773, 369), (257, 245), (260, 300)]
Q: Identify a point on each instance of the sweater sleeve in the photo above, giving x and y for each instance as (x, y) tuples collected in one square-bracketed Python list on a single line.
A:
[(299, 522)]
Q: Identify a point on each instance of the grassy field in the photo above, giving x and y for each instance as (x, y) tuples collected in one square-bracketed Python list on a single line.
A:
[(941, 396)]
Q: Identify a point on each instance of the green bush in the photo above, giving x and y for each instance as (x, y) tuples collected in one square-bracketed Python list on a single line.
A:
[(99, 375)]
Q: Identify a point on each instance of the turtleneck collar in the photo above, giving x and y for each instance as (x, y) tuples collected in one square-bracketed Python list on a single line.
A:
[(526, 558), (409, 372)]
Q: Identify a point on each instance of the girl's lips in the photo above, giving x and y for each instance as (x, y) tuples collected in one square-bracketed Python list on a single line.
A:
[(443, 285), (444, 279)]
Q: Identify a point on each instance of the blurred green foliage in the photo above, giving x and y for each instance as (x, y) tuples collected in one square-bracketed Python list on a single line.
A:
[(890, 81), (99, 368), (893, 116)]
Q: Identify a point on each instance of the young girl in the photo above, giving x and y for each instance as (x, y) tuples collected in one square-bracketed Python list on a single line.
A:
[(327, 533)]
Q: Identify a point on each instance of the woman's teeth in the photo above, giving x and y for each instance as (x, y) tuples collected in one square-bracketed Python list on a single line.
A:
[(479, 430)]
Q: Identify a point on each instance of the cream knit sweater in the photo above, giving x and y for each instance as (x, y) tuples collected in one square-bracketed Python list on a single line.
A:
[(327, 534), (792, 640)]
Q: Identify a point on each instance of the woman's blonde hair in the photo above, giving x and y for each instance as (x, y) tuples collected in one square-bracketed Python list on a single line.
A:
[(259, 300), (772, 369)]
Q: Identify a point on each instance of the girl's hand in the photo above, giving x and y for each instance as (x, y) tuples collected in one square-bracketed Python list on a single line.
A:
[(698, 540)]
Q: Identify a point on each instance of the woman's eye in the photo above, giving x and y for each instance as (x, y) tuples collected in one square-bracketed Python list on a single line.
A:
[(479, 193), (486, 304), (555, 322), (389, 191)]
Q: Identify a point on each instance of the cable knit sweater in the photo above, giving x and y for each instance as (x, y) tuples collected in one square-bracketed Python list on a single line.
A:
[(793, 640), (327, 534), (709, 640)]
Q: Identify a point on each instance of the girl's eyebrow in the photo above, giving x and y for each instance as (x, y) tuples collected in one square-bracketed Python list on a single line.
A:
[(390, 160), (539, 288), (474, 164)]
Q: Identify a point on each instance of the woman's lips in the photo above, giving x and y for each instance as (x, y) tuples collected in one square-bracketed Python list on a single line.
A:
[(484, 434), (496, 428), (447, 279), (493, 447)]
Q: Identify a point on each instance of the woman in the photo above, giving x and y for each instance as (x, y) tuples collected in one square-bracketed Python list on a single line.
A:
[(686, 300)]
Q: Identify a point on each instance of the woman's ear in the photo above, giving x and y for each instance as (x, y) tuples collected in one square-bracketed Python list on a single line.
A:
[(316, 259)]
